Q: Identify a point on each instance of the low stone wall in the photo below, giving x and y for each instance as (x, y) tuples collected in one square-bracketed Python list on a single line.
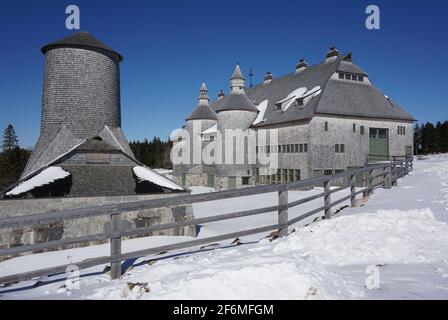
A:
[(87, 226)]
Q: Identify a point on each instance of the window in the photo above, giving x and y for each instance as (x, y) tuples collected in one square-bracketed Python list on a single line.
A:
[(401, 130), (245, 181), (301, 148), (291, 175), (179, 139), (326, 126), (305, 147), (268, 149), (299, 102), (341, 75), (285, 175), (288, 148), (328, 172), (339, 148), (354, 128), (361, 78), (296, 148), (279, 148), (348, 77), (297, 175), (354, 77), (279, 175), (279, 106), (284, 148), (362, 130), (212, 138)]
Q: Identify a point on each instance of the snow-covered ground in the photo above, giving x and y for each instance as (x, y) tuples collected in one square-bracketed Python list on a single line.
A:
[(399, 237)]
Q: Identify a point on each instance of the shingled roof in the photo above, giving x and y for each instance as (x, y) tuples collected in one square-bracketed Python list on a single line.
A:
[(342, 98), (82, 40), (237, 101), (202, 112)]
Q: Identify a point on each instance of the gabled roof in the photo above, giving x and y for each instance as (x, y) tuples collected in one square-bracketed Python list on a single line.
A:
[(82, 40), (337, 97)]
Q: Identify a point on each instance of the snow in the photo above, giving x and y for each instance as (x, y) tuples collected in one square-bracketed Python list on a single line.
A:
[(212, 129), (262, 110), (299, 93), (48, 175), (145, 174), (402, 231)]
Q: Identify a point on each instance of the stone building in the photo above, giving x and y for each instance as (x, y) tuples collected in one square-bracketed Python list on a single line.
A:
[(329, 117), (82, 151)]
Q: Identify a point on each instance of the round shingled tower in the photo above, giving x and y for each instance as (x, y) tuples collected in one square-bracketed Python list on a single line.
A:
[(81, 86)]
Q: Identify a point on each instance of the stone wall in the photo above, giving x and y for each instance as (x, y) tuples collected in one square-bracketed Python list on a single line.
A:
[(87, 226)]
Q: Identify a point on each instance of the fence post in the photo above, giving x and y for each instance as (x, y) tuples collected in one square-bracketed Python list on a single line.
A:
[(115, 246), (327, 199), (353, 190), (283, 211), (388, 178), (394, 174)]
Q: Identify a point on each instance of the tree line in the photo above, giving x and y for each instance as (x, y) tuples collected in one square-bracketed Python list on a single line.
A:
[(430, 138), (13, 158), (154, 153)]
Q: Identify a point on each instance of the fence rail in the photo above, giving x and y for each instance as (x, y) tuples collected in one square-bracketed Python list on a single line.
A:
[(387, 172)]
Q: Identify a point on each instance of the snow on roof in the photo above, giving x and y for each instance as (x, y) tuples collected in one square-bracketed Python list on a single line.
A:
[(299, 93), (262, 108), (47, 176), (212, 129), (145, 174)]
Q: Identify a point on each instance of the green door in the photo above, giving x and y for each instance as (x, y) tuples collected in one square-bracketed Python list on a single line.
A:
[(211, 180), (378, 144), (232, 183), (184, 178)]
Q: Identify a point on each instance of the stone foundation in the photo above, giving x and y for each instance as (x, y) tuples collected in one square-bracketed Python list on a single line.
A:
[(87, 226)]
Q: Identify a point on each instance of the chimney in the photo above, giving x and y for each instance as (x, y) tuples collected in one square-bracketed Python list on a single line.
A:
[(332, 54), (268, 77), (221, 94), (301, 65)]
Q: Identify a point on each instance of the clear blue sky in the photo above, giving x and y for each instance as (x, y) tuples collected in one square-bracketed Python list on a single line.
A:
[(171, 46)]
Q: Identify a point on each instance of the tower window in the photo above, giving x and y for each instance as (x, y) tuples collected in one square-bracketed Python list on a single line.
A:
[(354, 128), (326, 126), (361, 130)]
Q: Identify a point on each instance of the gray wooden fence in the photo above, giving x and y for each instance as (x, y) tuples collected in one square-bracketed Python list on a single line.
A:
[(377, 175)]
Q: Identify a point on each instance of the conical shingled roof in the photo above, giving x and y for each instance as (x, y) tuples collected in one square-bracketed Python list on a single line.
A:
[(82, 40), (237, 74), (236, 102), (203, 110)]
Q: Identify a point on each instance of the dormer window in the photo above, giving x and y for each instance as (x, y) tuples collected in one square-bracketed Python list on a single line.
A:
[(299, 102), (351, 76)]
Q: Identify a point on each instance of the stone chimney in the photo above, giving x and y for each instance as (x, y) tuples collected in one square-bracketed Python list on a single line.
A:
[(268, 77), (332, 54), (301, 65)]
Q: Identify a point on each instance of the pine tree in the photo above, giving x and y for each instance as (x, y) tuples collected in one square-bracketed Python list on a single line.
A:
[(10, 141)]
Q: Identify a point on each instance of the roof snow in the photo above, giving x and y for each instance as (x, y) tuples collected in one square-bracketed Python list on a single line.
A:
[(212, 129), (47, 176), (299, 93), (262, 108), (145, 174)]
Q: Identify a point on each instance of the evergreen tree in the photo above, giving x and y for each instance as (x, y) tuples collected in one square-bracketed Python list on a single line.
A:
[(10, 140)]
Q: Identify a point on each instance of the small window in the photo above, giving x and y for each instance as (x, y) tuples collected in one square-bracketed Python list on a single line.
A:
[(341, 75), (348, 77), (361, 78), (305, 147), (279, 106), (354, 128), (297, 175), (300, 102), (284, 148), (288, 148), (326, 126), (342, 148), (296, 148), (336, 148), (279, 148), (328, 172), (212, 138), (354, 77), (301, 148), (361, 129), (179, 139), (245, 181), (404, 130)]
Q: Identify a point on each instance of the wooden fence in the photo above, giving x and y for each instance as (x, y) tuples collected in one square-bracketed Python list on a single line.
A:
[(377, 175)]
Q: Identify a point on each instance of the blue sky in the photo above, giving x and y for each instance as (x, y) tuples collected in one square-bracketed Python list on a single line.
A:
[(171, 46)]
